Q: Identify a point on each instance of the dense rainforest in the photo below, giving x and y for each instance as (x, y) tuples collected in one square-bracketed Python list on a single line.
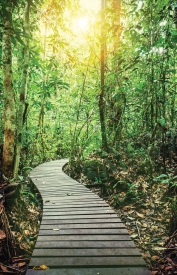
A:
[(95, 83)]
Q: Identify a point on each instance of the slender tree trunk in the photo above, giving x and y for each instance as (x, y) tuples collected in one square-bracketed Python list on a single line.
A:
[(101, 97), (120, 103), (9, 100), (117, 22), (34, 150), (75, 135), (23, 90), (40, 126)]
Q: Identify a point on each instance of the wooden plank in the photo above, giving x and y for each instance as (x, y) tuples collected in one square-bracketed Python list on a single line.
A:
[(73, 202), (50, 205), (77, 203), (66, 192), (70, 202), (86, 231), (74, 196), (60, 179), (66, 207), (62, 184), (73, 217), (82, 225), (87, 261), (92, 271), (59, 188), (82, 238), (84, 221), (86, 252), (67, 201), (62, 190), (83, 244), (55, 212), (71, 208)]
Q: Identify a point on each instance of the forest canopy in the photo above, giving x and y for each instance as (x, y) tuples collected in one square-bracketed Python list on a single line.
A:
[(76, 77)]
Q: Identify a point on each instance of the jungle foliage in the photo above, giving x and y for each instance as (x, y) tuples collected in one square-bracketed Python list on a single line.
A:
[(64, 105)]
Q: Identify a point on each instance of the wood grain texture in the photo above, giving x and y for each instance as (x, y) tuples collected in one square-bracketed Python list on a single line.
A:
[(80, 233), (92, 271)]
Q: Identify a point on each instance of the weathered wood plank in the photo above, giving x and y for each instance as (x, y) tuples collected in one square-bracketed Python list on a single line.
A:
[(86, 252), (82, 225), (66, 207), (86, 231), (70, 203), (70, 198), (73, 217), (68, 190), (53, 205), (77, 203), (79, 221), (91, 271), (69, 194), (55, 212), (87, 261), (62, 184), (82, 238), (72, 188), (83, 244)]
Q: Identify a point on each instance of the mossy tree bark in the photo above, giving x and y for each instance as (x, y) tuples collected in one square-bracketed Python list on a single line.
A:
[(9, 100), (23, 90)]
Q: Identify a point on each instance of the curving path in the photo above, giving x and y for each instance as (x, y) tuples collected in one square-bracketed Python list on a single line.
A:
[(79, 233)]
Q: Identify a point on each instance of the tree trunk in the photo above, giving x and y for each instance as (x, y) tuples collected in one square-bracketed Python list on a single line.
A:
[(101, 97), (23, 91), (9, 100)]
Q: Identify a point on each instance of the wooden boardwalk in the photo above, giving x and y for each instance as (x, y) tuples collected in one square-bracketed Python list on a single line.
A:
[(79, 233)]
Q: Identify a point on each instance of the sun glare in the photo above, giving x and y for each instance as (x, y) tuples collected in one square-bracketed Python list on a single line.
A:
[(91, 5), (83, 23), (80, 24)]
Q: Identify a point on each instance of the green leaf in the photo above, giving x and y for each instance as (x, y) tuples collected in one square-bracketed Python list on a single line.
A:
[(134, 236), (13, 40), (166, 181), (174, 38), (7, 14), (162, 176), (162, 121), (18, 38)]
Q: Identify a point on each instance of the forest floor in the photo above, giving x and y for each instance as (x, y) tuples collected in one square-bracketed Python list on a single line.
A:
[(20, 215), (145, 207)]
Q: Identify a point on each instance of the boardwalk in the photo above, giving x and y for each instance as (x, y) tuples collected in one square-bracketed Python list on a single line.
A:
[(79, 233)]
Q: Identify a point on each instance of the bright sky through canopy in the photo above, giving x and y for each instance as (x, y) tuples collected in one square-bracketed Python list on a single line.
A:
[(81, 24), (91, 4)]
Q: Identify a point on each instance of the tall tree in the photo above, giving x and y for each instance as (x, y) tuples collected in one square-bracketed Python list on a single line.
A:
[(23, 89), (101, 96), (9, 99)]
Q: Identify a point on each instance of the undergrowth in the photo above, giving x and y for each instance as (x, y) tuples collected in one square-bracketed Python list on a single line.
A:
[(143, 196)]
